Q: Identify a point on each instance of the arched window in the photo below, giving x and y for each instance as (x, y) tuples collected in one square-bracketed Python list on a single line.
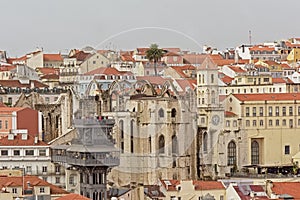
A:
[(161, 113), (254, 153), (231, 150), (205, 141), (174, 145), (173, 112), (131, 135), (161, 144)]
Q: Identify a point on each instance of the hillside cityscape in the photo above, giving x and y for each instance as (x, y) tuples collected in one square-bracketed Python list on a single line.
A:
[(155, 122)]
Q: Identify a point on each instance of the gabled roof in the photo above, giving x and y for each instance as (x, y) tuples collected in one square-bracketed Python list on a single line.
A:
[(278, 80), (73, 197), (187, 83), (170, 185), (7, 68), (230, 114), (32, 180), (227, 79), (158, 80), (17, 141), (47, 70), (107, 71), (50, 76), (81, 56), (208, 185), (180, 69), (52, 57), (208, 64), (268, 97)]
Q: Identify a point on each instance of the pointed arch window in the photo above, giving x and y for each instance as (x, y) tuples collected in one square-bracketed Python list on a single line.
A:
[(161, 144), (121, 128), (231, 150), (174, 144), (254, 153)]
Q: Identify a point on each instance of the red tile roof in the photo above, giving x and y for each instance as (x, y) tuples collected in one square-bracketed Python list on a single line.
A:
[(47, 70), (253, 188), (278, 80), (268, 97), (227, 79), (33, 180), (50, 76), (81, 56), (291, 188), (185, 83), (158, 80), (208, 185), (52, 57), (17, 141), (230, 114), (17, 83), (180, 70), (7, 68), (261, 48), (73, 197), (171, 186), (106, 71), (237, 69)]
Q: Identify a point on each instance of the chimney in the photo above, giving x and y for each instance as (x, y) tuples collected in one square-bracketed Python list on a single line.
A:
[(11, 136), (35, 139)]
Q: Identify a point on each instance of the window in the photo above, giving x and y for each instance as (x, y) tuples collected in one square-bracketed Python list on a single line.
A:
[(270, 122), (283, 122), (161, 113), (6, 124), (57, 169), (15, 190), (283, 111), (291, 123), (213, 97), (0, 124), (277, 122), (29, 152), (173, 113), (72, 179), (234, 123), (261, 111), (161, 144), (261, 122), (42, 152), (47, 99), (44, 169), (287, 149), (270, 111), (231, 149), (291, 111), (28, 169), (254, 123), (254, 111), (174, 144), (205, 142), (42, 190), (57, 179), (298, 110), (16, 152), (277, 110), (131, 136), (212, 78), (247, 111), (298, 122), (247, 122), (227, 123), (4, 152), (254, 153)]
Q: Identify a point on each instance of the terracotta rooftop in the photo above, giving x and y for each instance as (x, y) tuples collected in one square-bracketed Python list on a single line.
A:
[(50, 76), (107, 71), (290, 188), (187, 83), (52, 57), (158, 80), (237, 69), (180, 70), (17, 83), (33, 180), (170, 185), (17, 141), (227, 79), (208, 185), (73, 197), (7, 68), (254, 188), (261, 48), (268, 97), (278, 80), (81, 56), (47, 70), (230, 114)]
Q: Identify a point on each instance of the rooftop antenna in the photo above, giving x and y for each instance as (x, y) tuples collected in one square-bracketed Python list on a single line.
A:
[(250, 37)]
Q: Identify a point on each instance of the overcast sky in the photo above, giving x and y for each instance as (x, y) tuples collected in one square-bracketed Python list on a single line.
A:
[(59, 25)]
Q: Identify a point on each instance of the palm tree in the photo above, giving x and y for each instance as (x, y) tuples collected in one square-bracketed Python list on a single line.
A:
[(154, 54)]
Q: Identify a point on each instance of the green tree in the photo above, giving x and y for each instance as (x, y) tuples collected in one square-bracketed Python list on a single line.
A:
[(154, 54)]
